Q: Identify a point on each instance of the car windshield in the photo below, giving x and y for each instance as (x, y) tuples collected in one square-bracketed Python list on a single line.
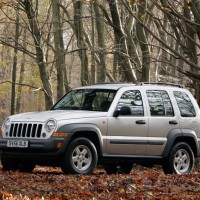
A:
[(86, 99)]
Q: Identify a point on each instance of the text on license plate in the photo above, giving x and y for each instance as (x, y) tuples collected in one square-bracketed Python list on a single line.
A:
[(17, 143)]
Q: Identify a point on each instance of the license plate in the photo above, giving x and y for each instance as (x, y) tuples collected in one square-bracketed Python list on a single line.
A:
[(17, 143)]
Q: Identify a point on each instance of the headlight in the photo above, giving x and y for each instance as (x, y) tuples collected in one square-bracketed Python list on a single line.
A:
[(6, 125), (50, 125)]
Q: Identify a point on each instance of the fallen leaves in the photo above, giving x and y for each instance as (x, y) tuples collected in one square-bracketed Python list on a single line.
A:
[(47, 183)]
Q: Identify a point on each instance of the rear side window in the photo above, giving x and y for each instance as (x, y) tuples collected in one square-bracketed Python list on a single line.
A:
[(185, 104), (159, 103)]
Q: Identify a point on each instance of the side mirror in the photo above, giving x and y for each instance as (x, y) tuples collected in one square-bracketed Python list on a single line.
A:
[(125, 110), (116, 113)]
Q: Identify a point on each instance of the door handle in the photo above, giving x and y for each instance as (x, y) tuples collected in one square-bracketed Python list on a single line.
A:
[(140, 122), (173, 122)]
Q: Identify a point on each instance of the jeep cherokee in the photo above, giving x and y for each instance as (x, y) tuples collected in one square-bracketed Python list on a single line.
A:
[(113, 125)]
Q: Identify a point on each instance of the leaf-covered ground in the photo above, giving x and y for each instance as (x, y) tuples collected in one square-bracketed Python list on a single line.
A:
[(50, 183)]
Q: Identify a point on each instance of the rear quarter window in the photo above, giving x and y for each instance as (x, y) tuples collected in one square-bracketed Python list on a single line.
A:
[(184, 104)]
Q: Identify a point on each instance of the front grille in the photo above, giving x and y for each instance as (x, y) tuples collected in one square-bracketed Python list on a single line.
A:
[(26, 130)]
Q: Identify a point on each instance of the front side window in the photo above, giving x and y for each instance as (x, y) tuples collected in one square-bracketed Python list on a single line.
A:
[(86, 99), (185, 104), (132, 99), (159, 103)]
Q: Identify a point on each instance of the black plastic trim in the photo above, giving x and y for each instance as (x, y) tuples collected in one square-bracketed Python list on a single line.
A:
[(179, 133), (136, 142), (74, 128)]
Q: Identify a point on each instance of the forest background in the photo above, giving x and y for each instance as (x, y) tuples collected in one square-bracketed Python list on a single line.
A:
[(48, 47)]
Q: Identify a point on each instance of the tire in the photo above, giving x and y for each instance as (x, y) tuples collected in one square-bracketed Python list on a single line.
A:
[(26, 166), (80, 158), (180, 160), (118, 169), (9, 163)]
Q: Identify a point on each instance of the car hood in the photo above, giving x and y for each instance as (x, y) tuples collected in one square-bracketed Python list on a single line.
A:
[(55, 114)]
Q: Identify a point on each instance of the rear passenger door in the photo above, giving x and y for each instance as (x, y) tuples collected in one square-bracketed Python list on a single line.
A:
[(162, 120)]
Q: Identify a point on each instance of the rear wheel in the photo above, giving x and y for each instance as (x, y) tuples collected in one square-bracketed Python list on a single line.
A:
[(119, 169), (9, 163), (80, 158), (180, 160)]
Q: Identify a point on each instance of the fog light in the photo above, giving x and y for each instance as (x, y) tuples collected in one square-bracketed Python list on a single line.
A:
[(59, 144)]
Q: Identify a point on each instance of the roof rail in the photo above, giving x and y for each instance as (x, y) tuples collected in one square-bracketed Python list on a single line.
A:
[(102, 83), (160, 83)]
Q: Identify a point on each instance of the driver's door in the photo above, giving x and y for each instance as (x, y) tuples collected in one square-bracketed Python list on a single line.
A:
[(127, 134)]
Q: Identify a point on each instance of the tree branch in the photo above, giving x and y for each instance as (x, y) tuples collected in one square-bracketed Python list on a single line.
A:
[(191, 64), (24, 84)]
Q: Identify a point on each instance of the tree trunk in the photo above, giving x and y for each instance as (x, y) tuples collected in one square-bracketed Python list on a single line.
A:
[(143, 42), (101, 44), (132, 41), (195, 5), (145, 53), (127, 67), (35, 31), (14, 69), (163, 36), (59, 49), (93, 64), (21, 75), (87, 42), (192, 53), (78, 25)]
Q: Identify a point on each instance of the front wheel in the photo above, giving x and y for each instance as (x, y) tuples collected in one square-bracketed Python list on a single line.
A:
[(9, 163), (80, 158), (180, 160), (26, 166)]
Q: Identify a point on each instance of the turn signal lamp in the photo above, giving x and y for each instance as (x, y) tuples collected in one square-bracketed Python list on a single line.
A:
[(56, 134)]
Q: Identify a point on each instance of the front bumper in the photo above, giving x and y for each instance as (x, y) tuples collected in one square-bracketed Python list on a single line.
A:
[(49, 148)]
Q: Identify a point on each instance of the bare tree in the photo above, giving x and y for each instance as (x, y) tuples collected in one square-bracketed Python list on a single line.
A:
[(59, 49), (121, 40), (14, 68), (37, 37), (115, 40), (21, 76), (79, 31), (101, 75)]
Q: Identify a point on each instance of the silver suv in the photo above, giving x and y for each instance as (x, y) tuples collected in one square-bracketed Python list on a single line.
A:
[(113, 125)]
